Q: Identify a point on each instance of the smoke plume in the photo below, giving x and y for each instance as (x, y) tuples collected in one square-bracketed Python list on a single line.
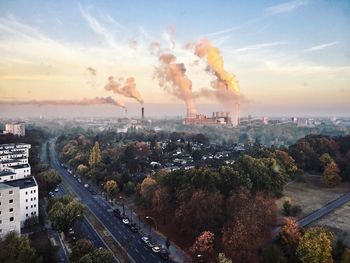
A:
[(172, 77), (224, 81), (128, 89), (92, 71), (83, 102)]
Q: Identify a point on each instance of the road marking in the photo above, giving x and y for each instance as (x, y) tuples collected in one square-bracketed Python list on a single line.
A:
[(136, 250), (143, 257), (153, 256)]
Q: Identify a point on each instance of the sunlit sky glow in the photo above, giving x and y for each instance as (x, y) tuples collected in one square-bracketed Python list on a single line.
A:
[(289, 54)]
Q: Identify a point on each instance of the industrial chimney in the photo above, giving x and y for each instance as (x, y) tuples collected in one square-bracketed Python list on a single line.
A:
[(142, 114)]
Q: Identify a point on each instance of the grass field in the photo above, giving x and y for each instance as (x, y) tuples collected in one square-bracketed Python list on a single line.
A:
[(311, 195)]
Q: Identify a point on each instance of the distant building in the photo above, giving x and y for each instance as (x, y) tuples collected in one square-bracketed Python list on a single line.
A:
[(218, 118), (15, 128), (19, 193)]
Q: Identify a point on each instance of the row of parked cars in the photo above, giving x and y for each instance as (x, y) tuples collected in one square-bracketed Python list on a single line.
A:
[(156, 248)]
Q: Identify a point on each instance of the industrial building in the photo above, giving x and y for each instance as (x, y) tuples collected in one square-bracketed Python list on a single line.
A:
[(19, 193), (218, 118)]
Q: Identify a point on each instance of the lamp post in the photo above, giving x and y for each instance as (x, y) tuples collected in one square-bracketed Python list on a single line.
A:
[(121, 200)]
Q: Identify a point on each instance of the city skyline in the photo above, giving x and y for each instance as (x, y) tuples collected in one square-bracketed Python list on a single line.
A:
[(288, 56)]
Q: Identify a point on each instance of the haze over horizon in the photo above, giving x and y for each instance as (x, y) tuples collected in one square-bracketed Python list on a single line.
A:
[(290, 58)]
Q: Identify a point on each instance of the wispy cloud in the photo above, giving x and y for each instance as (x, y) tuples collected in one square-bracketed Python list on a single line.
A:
[(223, 31), (320, 47), (259, 46), (285, 7)]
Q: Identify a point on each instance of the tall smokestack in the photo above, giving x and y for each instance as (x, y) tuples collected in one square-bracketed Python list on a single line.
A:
[(235, 115), (142, 114)]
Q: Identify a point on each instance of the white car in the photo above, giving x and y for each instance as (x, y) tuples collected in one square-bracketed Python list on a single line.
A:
[(125, 221), (145, 239), (56, 190), (86, 185), (156, 248)]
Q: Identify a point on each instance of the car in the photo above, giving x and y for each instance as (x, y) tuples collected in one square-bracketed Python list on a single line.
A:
[(71, 231), (156, 248), (86, 185), (116, 212), (56, 190), (133, 228), (79, 180), (125, 221), (145, 239), (75, 176)]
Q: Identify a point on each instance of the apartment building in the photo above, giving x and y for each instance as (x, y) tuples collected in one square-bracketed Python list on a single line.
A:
[(16, 128)]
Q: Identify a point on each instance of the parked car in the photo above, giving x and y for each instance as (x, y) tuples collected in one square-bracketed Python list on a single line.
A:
[(56, 189), (156, 248), (126, 221), (164, 254), (86, 185)]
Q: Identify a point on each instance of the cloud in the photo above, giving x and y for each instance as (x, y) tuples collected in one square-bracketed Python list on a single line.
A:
[(285, 7), (320, 47), (259, 46)]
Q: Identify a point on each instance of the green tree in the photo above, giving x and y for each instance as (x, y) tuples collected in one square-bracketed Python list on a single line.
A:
[(346, 256), (111, 188), (273, 254), (17, 249), (95, 155), (48, 180), (287, 206), (315, 246), (98, 256), (64, 212), (82, 169), (81, 248)]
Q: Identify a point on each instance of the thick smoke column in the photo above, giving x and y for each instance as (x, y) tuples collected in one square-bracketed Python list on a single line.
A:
[(215, 62), (128, 89), (172, 77), (83, 102)]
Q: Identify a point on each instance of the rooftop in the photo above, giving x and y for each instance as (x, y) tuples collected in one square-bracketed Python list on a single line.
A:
[(6, 173), (20, 166), (22, 183)]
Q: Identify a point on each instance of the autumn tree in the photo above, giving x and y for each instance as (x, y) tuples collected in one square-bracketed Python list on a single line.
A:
[(15, 248), (147, 189), (82, 169), (203, 211), (111, 188), (287, 206), (289, 235), (203, 247), (346, 256), (161, 203), (331, 176), (325, 159), (315, 246), (273, 254), (95, 155), (223, 259), (48, 180), (251, 219)]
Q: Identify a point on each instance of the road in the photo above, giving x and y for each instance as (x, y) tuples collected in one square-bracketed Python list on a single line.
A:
[(136, 249)]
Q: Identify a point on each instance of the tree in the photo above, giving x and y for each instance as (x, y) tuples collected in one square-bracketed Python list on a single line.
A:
[(325, 159), (289, 235), (161, 203), (251, 219), (346, 256), (203, 211), (223, 259), (81, 248), (82, 169), (287, 206), (48, 180), (64, 212), (95, 155), (17, 249), (111, 188), (204, 246), (273, 254), (148, 187), (98, 256), (331, 176), (315, 246)]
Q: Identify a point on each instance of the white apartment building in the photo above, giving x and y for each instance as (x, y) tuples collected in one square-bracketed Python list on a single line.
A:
[(16, 128), (19, 193), (9, 209)]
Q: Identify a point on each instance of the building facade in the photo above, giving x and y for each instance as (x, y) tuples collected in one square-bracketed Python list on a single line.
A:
[(16, 128)]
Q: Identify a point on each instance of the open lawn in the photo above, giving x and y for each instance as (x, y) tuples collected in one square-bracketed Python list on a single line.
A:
[(338, 222), (311, 195)]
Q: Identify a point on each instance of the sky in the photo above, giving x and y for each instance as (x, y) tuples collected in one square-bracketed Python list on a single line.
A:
[(289, 57)]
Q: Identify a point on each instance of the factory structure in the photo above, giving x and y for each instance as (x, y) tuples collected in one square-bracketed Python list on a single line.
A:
[(217, 118)]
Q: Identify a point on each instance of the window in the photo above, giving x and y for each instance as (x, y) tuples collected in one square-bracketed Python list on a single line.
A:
[(26, 192), (26, 215), (34, 192), (11, 210), (26, 200), (34, 205), (26, 207), (31, 206), (11, 201), (11, 176), (34, 198), (12, 218), (10, 192), (31, 199), (31, 191), (0, 222)]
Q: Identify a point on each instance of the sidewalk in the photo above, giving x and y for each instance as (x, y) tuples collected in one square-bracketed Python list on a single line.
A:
[(176, 253)]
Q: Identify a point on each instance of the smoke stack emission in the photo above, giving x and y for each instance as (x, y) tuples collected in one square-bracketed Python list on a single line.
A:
[(128, 89), (172, 77)]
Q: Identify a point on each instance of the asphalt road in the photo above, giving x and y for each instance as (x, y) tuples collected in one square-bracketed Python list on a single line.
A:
[(137, 250)]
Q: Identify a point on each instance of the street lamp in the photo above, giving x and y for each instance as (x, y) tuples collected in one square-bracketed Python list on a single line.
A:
[(121, 200)]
